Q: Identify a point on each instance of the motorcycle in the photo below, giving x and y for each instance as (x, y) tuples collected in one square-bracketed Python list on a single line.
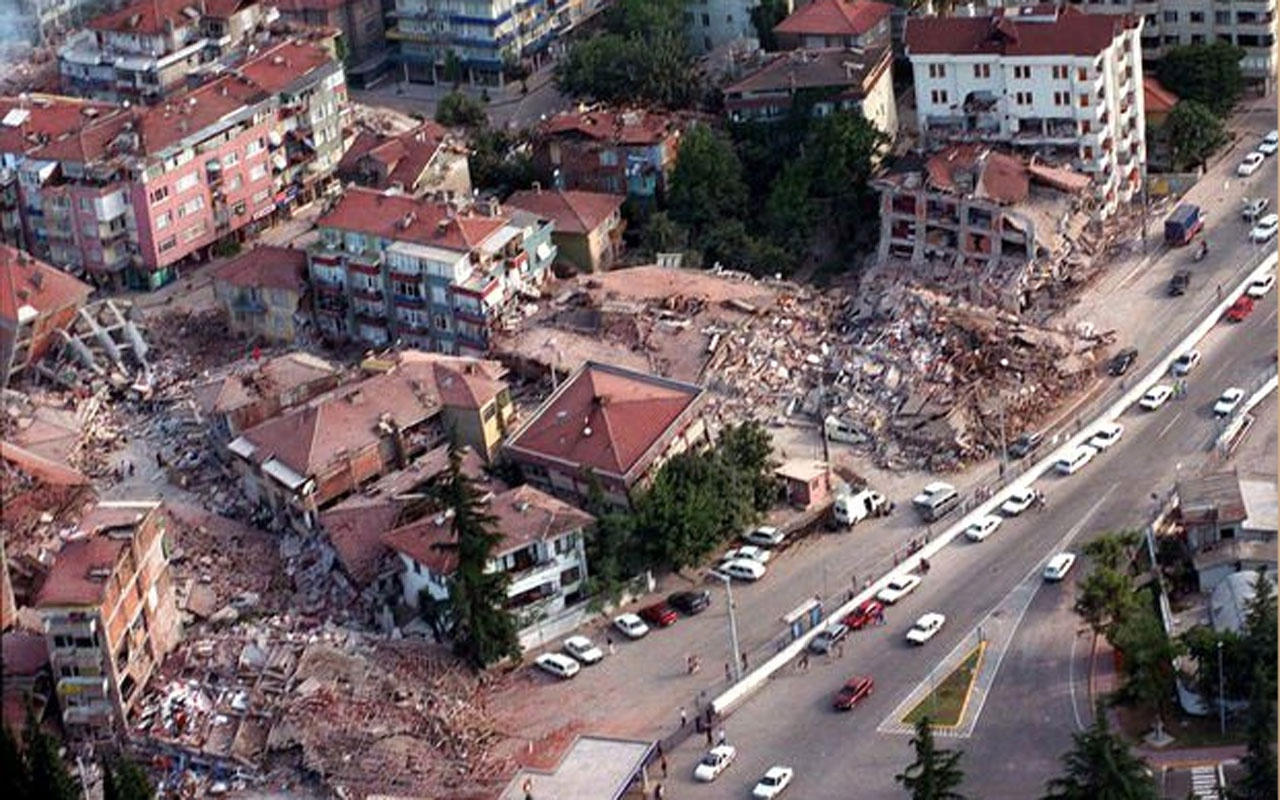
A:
[(1201, 252)]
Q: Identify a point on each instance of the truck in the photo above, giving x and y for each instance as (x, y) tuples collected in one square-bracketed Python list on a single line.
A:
[(850, 509), (1183, 224)]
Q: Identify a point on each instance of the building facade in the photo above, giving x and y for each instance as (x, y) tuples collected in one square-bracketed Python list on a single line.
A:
[(262, 290), (712, 23), (363, 27), (36, 301), (588, 225), (1051, 81), (824, 24), (616, 152), (428, 159)]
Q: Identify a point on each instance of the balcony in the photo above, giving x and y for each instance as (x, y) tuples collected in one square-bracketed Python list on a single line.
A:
[(367, 293)]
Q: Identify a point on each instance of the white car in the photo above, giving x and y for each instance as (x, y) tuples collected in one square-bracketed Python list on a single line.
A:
[(1259, 287), (1059, 566), (742, 569), (1250, 164), (1265, 230), (1183, 364), (765, 536), (926, 628), (583, 649), (1019, 501), (1155, 397), (928, 492), (749, 551), (1105, 435), (774, 783), (1227, 403), (1075, 460), (631, 626), (898, 587), (982, 527), (1270, 143), (559, 665), (714, 762)]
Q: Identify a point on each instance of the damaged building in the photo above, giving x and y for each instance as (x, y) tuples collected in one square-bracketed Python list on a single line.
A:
[(36, 300)]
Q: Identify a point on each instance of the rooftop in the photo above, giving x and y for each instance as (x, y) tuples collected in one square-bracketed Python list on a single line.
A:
[(834, 18), (44, 470), (266, 267), (275, 376), (148, 17), (461, 382), (1156, 98), (594, 768), (407, 219), (634, 127), (572, 211), (1260, 505), (403, 157), (1028, 32), (24, 654), (278, 67), (815, 69), (30, 288), (80, 572), (1211, 498)]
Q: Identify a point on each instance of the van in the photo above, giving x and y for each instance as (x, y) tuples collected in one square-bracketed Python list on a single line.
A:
[(852, 509), (840, 431), (1074, 461), (1059, 566), (936, 501)]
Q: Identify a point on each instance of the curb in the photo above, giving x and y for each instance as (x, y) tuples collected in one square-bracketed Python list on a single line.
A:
[(973, 682)]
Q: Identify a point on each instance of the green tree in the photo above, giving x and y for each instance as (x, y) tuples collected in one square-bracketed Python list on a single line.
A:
[(789, 214), (50, 778), (1104, 599), (747, 450), (1201, 644), (1113, 550), (842, 149), (1148, 658), (641, 56), (935, 774), (1260, 630), (497, 162), (1099, 766), (457, 110), (661, 234), (1194, 132), (687, 510), (764, 18), (124, 779), (13, 768), (706, 185), (1204, 73), (483, 631), (1259, 761)]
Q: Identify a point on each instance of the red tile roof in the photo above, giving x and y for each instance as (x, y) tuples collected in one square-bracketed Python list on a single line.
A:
[(1157, 99), (276, 68), (998, 177), (470, 383), (406, 219), (46, 118), (571, 211), (403, 157), (620, 127), (1071, 33), (834, 18), (266, 267), (168, 123), (275, 376), (605, 418), (26, 281), (37, 467), (355, 529), (74, 578), (148, 17)]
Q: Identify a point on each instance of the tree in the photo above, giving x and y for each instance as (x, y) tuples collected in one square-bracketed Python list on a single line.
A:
[(661, 234), (935, 774), (497, 163), (685, 513), (764, 18), (483, 631), (1204, 73), (1104, 599), (842, 149), (1148, 657), (124, 779), (1194, 133), (1260, 630), (457, 110), (50, 778), (13, 768), (1099, 766), (706, 185), (1201, 644), (1112, 550), (789, 214), (747, 450), (1259, 761)]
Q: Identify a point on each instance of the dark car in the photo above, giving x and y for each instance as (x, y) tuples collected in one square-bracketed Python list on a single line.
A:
[(864, 615), (1122, 361), (854, 689), (1181, 280), (829, 638), (659, 615), (690, 603), (1025, 445)]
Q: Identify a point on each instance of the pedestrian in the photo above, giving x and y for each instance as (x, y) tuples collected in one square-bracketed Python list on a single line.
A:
[(688, 664), (527, 788), (608, 640), (721, 737), (708, 736), (840, 650), (697, 664), (159, 461), (804, 660), (745, 667), (663, 763), (1219, 291), (880, 617), (657, 792), (684, 717)]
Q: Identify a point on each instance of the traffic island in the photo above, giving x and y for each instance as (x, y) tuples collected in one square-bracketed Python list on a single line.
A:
[(945, 704)]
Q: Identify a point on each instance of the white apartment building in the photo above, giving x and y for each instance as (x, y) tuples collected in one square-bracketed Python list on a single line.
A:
[(711, 23), (1056, 82)]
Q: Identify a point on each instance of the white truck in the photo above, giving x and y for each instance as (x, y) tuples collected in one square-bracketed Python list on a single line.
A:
[(850, 509)]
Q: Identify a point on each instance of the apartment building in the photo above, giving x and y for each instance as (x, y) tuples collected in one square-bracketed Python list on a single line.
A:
[(261, 290), (603, 150), (109, 616), (43, 22), (823, 24), (712, 23), (588, 225), (427, 159), (434, 275), (150, 48), (36, 301), (363, 27), (1056, 82)]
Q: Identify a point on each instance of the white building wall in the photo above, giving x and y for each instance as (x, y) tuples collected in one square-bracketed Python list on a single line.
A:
[(711, 23)]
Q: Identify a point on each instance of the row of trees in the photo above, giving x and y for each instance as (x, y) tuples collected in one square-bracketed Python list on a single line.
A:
[(1208, 80)]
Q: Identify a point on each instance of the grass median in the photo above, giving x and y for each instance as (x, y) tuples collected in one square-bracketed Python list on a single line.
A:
[(944, 706)]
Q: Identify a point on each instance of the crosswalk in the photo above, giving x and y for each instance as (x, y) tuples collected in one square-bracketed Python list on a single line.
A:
[(1205, 783)]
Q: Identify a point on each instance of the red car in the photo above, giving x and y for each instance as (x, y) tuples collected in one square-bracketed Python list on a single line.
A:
[(1241, 308), (864, 615), (659, 615), (854, 689)]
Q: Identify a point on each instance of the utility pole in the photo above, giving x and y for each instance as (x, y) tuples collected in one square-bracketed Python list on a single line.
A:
[(1222, 698), (733, 627), (1004, 447)]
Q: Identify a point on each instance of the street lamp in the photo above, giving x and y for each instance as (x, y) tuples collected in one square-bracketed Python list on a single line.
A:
[(1222, 698), (1004, 448), (733, 627)]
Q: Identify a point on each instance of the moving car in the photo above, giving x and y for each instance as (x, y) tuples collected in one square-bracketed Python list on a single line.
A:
[(583, 649), (1240, 309), (1250, 164), (1025, 444), (559, 665), (926, 628), (659, 614), (1255, 208), (1122, 361), (829, 637), (982, 527), (1259, 287), (1265, 230), (854, 689), (936, 500), (1059, 566), (748, 551), (631, 626), (898, 587), (1105, 435), (690, 603), (743, 569), (1155, 397), (1183, 364), (1021, 499), (765, 536), (774, 783), (1181, 280), (1075, 460), (1269, 143), (1228, 402), (714, 762), (864, 615)]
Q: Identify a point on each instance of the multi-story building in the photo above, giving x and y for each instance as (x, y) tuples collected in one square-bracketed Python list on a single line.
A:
[(149, 48), (588, 225), (241, 400), (261, 290), (1052, 81), (435, 275), (824, 24), (427, 159), (44, 22), (617, 152), (712, 23), (109, 614), (363, 27), (36, 300)]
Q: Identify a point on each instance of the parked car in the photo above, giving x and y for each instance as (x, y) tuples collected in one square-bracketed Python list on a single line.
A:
[(659, 615), (1020, 500), (926, 628), (743, 569), (1255, 208), (1059, 566), (690, 603), (1269, 143), (864, 615), (1105, 435), (716, 760), (898, 587), (854, 690), (1181, 280), (1228, 401), (583, 649), (1122, 361), (1259, 287), (747, 551), (982, 527), (774, 783), (1155, 397), (765, 536), (1183, 364), (1265, 230), (829, 637), (1250, 164), (1240, 309), (1074, 461), (936, 500), (631, 626), (1025, 444), (559, 665)]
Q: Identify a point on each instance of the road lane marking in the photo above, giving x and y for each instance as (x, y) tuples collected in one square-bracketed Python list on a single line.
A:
[(1071, 682), (1167, 426)]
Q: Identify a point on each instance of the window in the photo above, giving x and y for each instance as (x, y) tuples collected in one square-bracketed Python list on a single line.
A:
[(186, 182), (1197, 16), (235, 183), (706, 20), (257, 172), (937, 70), (1084, 101), (1082, 74), (1170, 16), (406, 289), (938, 97), (1061, 99), (163, 220), (1222, 17), (1197, 38), (1022, 98), (1088, 153), (85, 204), (159, 194), (1085, 127), (169, 244), (1060, 73), (608, 158), (231, 159), (982, 70), (194, 232), (255, 147), (260, 197), (728, 18), (1022, 73)]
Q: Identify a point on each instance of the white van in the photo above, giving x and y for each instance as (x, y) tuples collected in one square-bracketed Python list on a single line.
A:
[(936, 501), (1075, 460), (850, 509)]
